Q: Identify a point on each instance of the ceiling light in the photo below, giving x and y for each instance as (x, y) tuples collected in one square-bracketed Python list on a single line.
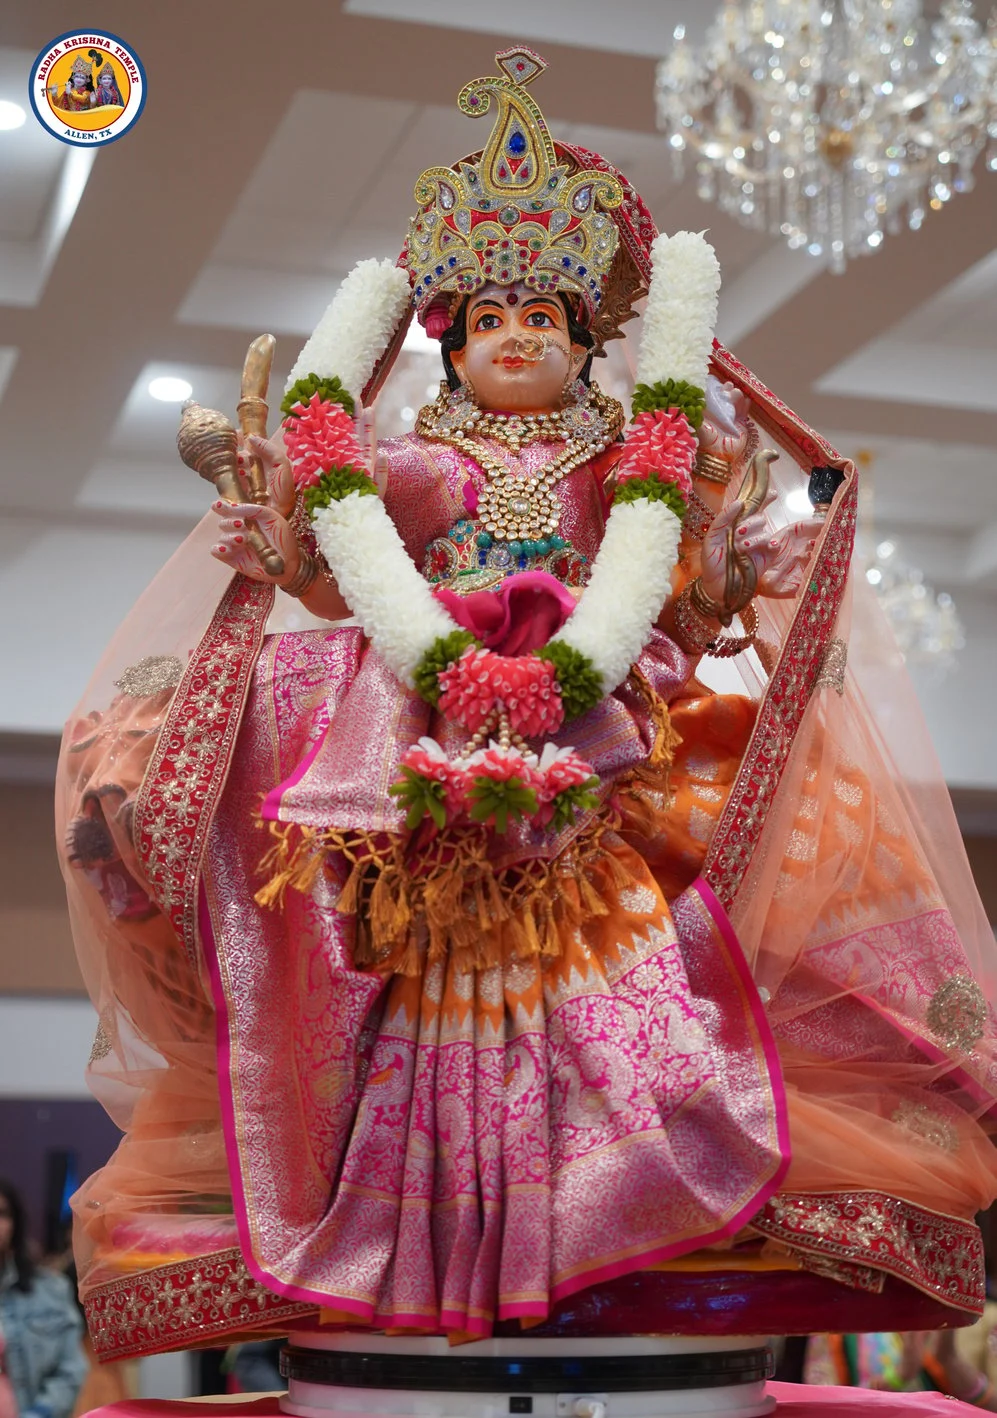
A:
[(12, 115), (170, 390)]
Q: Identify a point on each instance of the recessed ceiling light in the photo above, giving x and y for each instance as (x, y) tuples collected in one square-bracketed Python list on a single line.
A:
[(169, 390), (798, 501), (12, 115)]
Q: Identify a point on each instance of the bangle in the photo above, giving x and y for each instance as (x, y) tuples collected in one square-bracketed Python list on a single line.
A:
[(304, 578), (696, 634), (698, 516), (725, 647), (693, 613), (713, 469)]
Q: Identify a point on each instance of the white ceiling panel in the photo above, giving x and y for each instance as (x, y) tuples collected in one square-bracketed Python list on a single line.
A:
[(626, 27)]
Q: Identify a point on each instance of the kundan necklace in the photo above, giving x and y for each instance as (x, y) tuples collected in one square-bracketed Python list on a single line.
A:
[(514, 506)]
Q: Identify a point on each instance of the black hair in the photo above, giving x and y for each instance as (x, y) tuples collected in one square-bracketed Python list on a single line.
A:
[(19, 1251), (455, 338)]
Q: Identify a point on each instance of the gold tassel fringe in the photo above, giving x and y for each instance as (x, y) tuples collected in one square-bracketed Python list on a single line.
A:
[(450, 899)]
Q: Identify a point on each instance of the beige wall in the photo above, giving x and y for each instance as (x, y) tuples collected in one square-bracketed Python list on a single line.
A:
[(36, 947)]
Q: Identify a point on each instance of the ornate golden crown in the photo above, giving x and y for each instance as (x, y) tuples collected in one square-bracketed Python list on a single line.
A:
[(517, 213)]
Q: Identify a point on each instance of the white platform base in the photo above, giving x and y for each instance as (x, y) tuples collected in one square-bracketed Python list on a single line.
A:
[(319, 1400)]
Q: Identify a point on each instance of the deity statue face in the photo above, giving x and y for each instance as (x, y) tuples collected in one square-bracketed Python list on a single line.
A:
[(518, 353), (79, 80)]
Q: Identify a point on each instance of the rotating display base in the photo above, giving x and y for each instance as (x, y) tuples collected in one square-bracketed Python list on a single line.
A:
[(374, 1376)]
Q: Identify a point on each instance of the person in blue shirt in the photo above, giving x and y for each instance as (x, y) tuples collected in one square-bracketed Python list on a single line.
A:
[(41, 1325)]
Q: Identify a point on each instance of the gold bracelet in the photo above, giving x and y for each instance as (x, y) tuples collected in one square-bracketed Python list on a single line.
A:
[(713, 469), (693, 611), (725, 647), (304, 578), (698, 516), (695, 635)]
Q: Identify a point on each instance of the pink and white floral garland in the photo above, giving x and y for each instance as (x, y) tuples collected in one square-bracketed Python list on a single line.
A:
[(629, 584)]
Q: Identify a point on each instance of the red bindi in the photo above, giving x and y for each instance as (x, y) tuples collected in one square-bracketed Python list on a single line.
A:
[(512, 298)]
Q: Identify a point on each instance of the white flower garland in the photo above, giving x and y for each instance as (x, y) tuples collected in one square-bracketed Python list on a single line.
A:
[(379, 581), (630, 582), (355, 330), (631, 577), (677, 335)]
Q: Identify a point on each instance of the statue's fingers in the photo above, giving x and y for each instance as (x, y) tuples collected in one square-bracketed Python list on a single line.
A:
[(727, 517), (751, 531), (228, 511)]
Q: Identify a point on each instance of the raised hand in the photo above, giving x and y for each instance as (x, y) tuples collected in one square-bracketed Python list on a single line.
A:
[(778, 558), (234, 518), (724, 430)]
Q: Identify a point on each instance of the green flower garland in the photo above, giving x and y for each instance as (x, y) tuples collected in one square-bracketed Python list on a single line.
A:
[(336, 484), (654, 488), (577, 678), (502, 800), (670, 394), (445, 651), (420, 797), (331, 390), (581, 798)]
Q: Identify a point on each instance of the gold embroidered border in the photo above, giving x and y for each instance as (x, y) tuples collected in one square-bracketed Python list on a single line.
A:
[(792, 682), (180, 1305), (872, 1231), (189, 765)]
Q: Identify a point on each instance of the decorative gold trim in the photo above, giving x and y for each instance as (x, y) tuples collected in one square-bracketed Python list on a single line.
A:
[(192, 1302)]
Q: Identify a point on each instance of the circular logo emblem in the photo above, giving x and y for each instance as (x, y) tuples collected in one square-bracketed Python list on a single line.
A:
[(87, 88)]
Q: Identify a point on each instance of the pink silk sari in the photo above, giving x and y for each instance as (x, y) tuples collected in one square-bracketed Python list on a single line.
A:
[(791, 972)]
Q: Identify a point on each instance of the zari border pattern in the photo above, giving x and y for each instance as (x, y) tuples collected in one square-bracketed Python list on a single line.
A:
[(870, 1231), (176, 1306), (798, 669), (188, 768)]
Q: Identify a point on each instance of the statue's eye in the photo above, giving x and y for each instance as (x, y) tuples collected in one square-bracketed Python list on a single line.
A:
[(487, 321), (540, 319)]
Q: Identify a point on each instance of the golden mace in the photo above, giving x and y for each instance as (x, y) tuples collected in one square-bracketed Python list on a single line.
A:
[(206, 442)]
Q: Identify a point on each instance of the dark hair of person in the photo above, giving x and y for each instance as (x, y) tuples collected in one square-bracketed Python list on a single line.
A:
[(455, 338), (19, 1251)]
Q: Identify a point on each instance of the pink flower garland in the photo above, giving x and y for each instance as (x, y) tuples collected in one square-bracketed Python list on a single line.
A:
[(557, 772), (482, 682), (320, 436), (661, 442)]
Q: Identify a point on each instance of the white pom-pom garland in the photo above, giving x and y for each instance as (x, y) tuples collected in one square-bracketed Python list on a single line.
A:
[(355, 330), (630, 582), (677, 334), (380, 583)]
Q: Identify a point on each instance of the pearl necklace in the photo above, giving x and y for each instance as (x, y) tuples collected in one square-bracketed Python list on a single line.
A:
[(511, 506)]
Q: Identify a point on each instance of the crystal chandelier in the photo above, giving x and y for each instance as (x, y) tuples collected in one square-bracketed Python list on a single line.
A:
[(832, 122), (925, 622)]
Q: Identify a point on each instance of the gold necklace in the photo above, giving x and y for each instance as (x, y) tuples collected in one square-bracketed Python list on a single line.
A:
[(513, 506), (596, 417)]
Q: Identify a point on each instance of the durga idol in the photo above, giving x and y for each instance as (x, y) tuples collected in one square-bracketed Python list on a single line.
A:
[(468, 967)]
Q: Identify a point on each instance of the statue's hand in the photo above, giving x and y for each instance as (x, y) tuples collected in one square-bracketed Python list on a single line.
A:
[(233, 546), (724, 430), (778, 558)]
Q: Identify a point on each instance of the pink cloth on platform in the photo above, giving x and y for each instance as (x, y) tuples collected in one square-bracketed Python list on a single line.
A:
[(792, 1400)]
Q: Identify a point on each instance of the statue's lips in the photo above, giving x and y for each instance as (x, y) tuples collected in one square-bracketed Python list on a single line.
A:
[(514, 362)]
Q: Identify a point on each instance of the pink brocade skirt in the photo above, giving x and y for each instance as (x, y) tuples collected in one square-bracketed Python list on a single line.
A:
[(443, 1150)]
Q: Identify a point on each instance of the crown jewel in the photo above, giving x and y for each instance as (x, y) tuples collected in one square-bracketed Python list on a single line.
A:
[(518, 213)]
